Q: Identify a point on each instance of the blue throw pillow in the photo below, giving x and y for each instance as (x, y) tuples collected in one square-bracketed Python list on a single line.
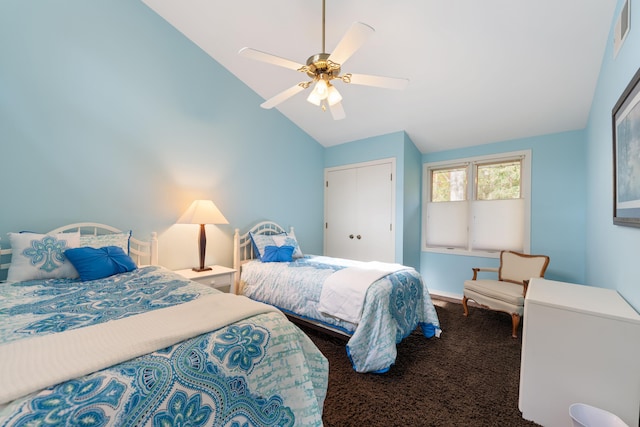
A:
[(259, 241), (98, 263), (278, 254)]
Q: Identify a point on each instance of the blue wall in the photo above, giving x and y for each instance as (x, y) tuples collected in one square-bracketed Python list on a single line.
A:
[(558, 197), (612, 251), (412, 209), (365, 150), (109, 114)]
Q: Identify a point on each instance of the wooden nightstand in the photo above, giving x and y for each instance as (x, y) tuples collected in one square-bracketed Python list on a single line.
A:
[(221, 278)]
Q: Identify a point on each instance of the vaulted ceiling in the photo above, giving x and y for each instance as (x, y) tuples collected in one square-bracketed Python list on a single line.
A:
[(479, 71)]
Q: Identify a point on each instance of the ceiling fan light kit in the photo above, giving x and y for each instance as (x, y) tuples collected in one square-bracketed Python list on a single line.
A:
[(333, 96), (323, 68)]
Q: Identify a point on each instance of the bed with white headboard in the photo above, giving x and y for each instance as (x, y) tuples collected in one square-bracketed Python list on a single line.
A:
[(143, 252), (243, 249), (373, 305), (141, 345)]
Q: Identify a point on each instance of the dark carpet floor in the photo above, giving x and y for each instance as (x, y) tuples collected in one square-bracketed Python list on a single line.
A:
[(467, 377)]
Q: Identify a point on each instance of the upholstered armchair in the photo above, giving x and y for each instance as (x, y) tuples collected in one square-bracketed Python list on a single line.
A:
[(507, 293)]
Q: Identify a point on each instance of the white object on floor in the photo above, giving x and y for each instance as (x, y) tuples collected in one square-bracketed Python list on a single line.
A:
[(584, 415)]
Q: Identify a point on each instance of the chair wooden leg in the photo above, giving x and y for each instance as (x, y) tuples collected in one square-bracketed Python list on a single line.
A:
[(515, 322), (464, 305)]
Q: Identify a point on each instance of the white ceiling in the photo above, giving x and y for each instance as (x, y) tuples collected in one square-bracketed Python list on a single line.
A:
[(479, 71)]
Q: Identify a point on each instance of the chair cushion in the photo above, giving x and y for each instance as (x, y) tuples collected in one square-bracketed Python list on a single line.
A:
[(510, 293), (516, 267)]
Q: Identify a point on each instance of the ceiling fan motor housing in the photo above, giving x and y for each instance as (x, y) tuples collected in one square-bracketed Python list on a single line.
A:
[(319, 64)]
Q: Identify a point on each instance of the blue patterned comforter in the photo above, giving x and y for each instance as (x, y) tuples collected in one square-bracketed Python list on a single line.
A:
[(394, 306), (259, 371)]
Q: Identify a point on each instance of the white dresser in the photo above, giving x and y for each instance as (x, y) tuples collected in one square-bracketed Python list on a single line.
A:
[(579, 344)]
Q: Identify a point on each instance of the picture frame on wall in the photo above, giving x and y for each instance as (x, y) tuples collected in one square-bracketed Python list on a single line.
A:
[(626, 155)]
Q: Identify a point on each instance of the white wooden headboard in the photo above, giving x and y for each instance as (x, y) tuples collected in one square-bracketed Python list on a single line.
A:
[(142, 252), (243, 249)]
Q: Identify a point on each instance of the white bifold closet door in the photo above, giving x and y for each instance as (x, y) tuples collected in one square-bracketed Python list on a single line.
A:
[(359, 212)]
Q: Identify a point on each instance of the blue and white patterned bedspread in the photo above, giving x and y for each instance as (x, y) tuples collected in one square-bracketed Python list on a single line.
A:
[(259, 371), (394, 305)]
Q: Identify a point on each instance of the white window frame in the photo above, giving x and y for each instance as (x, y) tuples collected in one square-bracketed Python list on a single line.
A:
[(524, 155)]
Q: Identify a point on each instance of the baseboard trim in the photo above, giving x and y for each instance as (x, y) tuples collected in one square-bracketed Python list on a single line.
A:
[(446, 296), (452, 298)]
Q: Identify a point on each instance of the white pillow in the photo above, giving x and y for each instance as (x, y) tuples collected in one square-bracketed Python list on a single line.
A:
[(120, 240), (260, 241), (289, 240), (297, 252), (41, 256)]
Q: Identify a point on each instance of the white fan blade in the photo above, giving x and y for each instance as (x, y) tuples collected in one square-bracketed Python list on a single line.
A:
[(248, 52), (337, 112), (378, 81), (282, 96), (351, 41)]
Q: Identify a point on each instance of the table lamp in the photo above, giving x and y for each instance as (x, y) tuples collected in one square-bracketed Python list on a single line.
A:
[(202, 212)]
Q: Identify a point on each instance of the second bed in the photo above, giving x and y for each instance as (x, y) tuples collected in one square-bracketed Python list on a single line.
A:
[(373, 305)]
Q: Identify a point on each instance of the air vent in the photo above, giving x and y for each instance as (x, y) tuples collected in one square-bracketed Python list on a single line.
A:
[(622, 28)]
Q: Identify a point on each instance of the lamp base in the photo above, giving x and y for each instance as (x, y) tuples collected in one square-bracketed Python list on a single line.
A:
[(202, 247)]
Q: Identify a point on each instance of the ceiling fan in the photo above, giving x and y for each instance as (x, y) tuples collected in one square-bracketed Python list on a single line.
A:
[(324, 69)]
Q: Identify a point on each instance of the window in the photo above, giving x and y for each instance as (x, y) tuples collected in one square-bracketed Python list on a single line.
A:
[(448, 185), (478, 205), (499, 181)]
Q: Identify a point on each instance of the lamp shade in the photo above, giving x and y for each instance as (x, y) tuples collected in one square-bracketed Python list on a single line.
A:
[(314, 98), (334, 96), (202, 212)]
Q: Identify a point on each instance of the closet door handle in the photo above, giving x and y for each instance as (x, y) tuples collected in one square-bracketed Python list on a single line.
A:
[(358, 237), (351, 236)]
